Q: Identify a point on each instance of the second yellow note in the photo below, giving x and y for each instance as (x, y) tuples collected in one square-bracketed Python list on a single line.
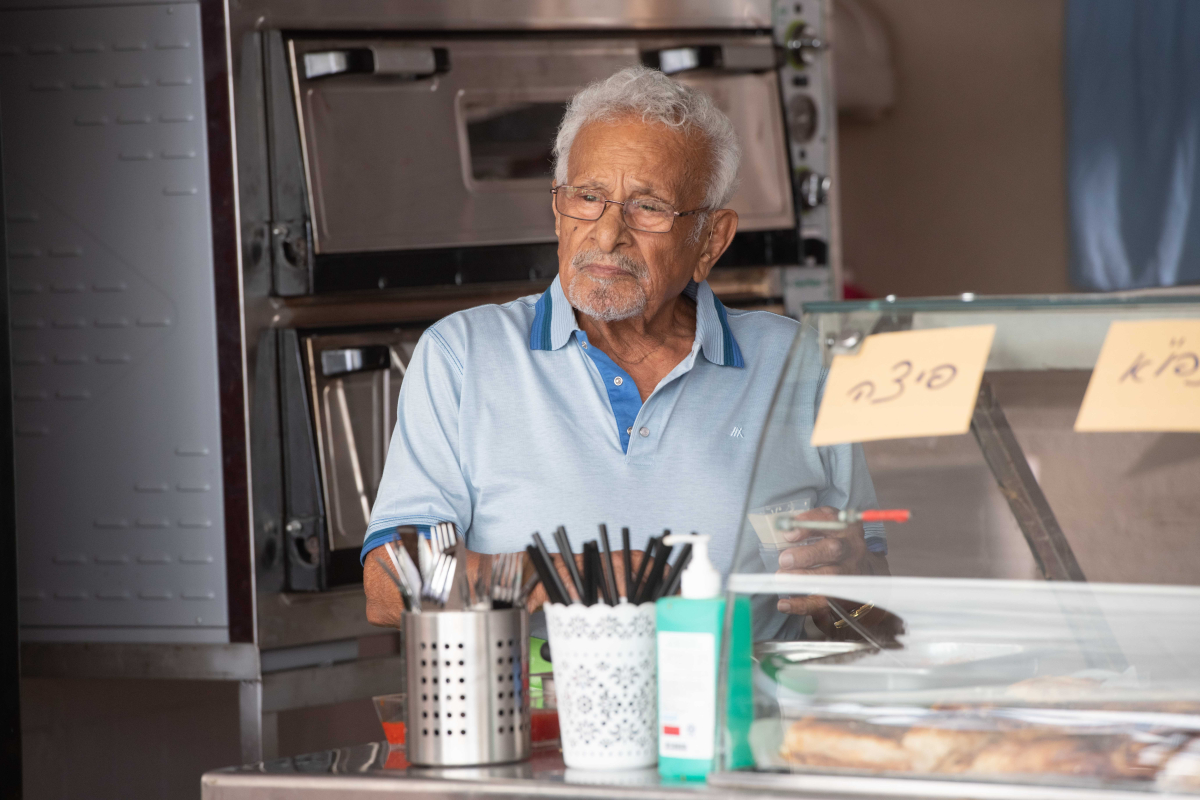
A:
[(1146, 379)]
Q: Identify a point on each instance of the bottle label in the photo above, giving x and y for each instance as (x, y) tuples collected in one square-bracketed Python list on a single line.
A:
[(687, 694)]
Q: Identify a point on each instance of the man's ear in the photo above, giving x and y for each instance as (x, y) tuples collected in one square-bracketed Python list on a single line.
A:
[(722, 225)]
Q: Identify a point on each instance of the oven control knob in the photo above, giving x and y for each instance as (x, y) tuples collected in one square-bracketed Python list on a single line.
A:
[(813, 189), (802, 118), (803, 44)]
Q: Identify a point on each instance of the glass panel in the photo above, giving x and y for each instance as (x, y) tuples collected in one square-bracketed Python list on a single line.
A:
[(963, 663), (511, 140)]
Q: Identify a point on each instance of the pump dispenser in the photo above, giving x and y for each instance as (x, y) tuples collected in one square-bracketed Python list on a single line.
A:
[(700, 581), (689, 652)]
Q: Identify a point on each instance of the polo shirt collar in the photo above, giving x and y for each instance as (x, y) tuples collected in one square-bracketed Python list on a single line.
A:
[(554, 323)]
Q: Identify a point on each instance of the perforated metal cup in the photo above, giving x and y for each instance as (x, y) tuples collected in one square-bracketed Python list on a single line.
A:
[(468, 687)]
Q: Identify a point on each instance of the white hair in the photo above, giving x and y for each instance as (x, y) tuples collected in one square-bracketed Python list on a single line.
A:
[(651, 95)]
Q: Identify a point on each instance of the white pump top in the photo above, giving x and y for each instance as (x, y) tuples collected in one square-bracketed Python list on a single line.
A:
[(701, 580)]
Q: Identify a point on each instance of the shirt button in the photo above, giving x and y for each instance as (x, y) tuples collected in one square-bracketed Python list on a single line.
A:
[(643, 431), (617, 381), (585, 345), (629, 430)]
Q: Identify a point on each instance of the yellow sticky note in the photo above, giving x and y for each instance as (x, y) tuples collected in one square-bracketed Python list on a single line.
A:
[(1147, 378), (909, 383)]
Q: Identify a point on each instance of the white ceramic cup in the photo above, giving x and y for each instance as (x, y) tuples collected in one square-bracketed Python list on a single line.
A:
[(604, 673)]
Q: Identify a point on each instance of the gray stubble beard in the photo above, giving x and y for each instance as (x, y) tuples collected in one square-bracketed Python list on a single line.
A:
[(603, 300)]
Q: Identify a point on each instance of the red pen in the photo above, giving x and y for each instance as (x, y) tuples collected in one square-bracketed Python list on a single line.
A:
[(845, 518)]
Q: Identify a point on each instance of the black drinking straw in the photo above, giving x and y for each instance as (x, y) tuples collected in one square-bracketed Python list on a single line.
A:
[(610, 576), (650, 588), (676, 574), (593, 578), (643, 568), (550, 576), (568, 557), (597, 561), (628, 593)]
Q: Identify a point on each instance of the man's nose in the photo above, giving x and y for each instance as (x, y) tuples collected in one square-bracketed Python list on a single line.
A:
[(610, 229)]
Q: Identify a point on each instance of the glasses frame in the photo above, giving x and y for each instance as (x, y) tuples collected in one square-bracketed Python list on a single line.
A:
[(624, 213)]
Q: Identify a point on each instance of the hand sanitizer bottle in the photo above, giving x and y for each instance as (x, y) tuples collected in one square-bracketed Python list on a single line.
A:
[(689, 650)]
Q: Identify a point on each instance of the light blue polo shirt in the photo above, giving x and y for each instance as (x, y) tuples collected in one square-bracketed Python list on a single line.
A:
[(510, 421)]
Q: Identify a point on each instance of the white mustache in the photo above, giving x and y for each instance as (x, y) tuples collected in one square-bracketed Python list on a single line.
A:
[(621, 261)]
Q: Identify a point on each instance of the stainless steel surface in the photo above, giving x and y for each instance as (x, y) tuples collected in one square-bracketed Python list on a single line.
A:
[(354, 410), (250, 719), (335, 683), (801, 785), (449, 171), (120, 454), (802, 650), (291, 619), (156, 661), (463, 707), (363, 771), (1028, 503), (509, 15)]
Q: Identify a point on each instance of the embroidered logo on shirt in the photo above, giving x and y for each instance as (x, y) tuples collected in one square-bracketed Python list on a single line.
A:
[(736, 433)]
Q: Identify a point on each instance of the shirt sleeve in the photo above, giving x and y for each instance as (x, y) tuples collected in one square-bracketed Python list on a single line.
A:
[(422, 481)]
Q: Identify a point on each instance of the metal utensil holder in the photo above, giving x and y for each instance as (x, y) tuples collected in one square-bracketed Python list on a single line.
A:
[(468, 687)]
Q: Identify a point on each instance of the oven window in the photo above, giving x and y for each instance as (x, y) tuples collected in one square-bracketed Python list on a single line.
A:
[(511, 140)]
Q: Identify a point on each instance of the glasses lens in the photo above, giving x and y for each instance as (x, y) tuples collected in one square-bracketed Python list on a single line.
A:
[(573, 201), (648, 214)]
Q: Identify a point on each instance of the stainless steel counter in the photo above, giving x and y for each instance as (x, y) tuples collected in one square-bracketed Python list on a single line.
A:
[(370, 770)]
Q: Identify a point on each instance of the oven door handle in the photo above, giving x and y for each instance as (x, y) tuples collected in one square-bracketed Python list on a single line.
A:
[(343, 361), (413, 63), (721, 57)]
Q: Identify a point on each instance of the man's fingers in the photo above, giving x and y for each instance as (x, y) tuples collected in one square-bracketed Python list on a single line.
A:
[(823, 569), (802, 606), (830, 550)]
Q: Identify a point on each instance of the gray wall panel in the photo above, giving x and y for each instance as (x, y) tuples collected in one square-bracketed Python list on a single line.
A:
[(120, 514)]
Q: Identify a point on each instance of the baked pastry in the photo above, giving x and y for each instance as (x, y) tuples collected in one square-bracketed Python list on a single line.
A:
[(943, 749), (1182, 770), (822, 743), (1058, 755), (922, 749)]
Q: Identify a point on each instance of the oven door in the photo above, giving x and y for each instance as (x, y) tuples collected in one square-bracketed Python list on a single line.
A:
[(436, 143), (354, 381)]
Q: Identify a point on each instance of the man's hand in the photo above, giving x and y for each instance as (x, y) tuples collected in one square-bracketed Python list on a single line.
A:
[(841, 552), (384, 603)]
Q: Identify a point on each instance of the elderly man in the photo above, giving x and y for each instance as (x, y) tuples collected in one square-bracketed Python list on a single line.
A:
[(626, 393)]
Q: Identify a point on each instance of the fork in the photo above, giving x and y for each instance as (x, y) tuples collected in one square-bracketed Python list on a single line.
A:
[(506, 578), (437, 586)]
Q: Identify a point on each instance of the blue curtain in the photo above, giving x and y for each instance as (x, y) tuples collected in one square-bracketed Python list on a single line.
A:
[(1132, 72)]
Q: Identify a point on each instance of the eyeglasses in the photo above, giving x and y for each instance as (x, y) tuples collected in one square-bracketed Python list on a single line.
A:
[(640, 213)]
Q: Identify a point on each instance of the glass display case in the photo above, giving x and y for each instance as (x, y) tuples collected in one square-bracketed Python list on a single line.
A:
[(1036, 623)]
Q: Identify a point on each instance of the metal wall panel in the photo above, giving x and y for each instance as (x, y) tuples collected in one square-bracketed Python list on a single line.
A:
[(119, 494)]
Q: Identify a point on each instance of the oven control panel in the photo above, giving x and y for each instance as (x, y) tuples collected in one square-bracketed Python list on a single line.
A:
[(801, 30)]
